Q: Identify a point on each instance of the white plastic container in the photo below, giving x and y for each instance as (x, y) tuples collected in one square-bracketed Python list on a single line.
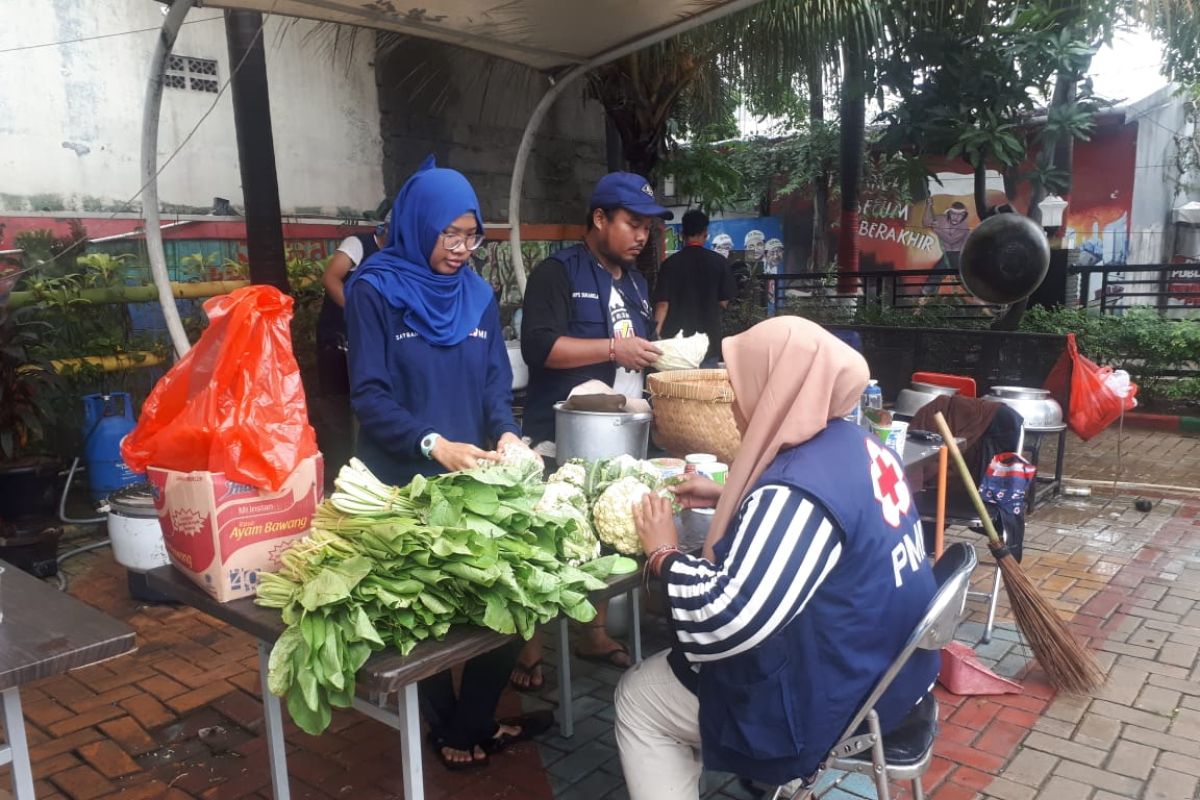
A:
[(137, 539), (715, 470)]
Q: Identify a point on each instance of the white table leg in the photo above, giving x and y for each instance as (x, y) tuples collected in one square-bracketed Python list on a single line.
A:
[(273, 712), (635, 612), (18, 747), (410, 743), (566, 721)]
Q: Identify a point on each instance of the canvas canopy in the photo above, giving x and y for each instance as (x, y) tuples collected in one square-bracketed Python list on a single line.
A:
[(563, 38)]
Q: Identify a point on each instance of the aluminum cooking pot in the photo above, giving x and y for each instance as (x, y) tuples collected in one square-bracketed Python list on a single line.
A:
[(600, 434), (1041, 412), (911, 400)]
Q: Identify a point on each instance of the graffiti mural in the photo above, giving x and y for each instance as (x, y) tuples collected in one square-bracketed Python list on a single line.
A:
[(928, 233), (756, 241)]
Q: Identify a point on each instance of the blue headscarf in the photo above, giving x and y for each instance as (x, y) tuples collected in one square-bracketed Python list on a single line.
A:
[(442, 309)]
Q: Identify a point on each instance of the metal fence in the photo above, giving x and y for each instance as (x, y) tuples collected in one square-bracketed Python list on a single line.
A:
[(1171, 289), (871, 290)]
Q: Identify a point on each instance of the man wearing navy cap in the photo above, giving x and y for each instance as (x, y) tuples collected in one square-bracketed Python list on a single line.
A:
[(587, 316), (587, 309)]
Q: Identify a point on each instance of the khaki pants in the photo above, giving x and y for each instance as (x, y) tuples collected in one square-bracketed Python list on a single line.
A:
[(658, 733)]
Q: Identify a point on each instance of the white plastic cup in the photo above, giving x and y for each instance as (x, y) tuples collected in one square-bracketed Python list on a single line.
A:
[(693, 461), (897, 436)]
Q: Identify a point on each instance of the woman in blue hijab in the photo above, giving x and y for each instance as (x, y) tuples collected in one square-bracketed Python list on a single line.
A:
[(431, 385)]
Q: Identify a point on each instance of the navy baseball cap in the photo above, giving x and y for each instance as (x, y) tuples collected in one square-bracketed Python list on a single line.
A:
[(629, 191)]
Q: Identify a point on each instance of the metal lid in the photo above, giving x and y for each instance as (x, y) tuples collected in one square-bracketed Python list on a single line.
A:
[(136, 500), (1019, 392)]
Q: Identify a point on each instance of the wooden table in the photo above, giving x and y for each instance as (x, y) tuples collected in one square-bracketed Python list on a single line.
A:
[(384, 673), (45, 632)]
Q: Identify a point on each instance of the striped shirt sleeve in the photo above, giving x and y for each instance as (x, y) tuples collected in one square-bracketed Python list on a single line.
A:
[(784, 546)]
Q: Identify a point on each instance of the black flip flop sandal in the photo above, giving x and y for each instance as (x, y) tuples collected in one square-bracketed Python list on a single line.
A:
[(531, 725), (606, 657), (438, 743)]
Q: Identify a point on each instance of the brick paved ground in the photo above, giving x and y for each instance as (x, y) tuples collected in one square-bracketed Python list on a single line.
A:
[(1153, 457), (181, 719)]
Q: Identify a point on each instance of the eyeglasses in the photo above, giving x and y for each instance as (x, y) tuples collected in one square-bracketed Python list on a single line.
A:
[(453, 241)]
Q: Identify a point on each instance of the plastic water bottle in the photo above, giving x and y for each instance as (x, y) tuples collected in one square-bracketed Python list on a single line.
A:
[(872, 400), (873, 395)]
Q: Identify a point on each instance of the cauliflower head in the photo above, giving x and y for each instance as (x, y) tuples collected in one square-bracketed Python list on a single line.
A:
[(612, 514), (570, 473), (577, 543), (519, 460)]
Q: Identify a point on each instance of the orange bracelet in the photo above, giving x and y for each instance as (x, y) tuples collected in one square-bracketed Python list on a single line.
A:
[(612, 349)]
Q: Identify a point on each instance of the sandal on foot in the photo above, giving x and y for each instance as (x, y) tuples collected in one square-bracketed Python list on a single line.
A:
[(439, 745), (531, 725), (607, 657), (529, 671)]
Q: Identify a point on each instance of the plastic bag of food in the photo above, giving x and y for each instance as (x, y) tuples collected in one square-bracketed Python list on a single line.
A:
[(681, 352)]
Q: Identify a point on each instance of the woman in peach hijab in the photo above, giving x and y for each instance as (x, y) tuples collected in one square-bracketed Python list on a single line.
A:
[(811, 579)]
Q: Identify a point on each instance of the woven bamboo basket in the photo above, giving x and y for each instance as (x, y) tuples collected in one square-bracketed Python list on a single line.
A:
[(693, 413)]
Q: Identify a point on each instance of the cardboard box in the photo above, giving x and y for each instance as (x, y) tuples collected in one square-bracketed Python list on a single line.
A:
[(221, 533)]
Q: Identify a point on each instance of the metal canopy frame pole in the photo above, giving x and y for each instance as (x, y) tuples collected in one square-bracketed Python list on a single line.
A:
[(150, 116), (556, 88)]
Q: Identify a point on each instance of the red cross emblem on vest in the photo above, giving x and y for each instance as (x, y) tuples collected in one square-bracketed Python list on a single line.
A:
[(887, 481)]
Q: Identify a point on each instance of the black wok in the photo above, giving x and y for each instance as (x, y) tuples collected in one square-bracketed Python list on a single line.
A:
[(1004, 259)]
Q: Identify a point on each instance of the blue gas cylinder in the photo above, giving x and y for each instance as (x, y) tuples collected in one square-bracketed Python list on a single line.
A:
[(107, 418)]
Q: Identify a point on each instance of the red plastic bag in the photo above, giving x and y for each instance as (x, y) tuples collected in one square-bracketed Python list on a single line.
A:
[(235, 402), (1093, 404)]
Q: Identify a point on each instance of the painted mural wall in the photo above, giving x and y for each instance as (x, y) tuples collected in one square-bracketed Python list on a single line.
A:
[(929, 233)]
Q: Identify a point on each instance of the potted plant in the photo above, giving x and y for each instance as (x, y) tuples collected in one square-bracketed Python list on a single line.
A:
[(28, 478)]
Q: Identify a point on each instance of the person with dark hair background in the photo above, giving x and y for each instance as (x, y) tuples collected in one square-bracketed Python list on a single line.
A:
[(694, 285)]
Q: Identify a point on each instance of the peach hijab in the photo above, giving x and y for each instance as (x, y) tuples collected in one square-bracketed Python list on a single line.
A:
[(790, 377)]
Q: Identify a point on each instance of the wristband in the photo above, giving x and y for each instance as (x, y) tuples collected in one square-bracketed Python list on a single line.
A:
[(612, 349)]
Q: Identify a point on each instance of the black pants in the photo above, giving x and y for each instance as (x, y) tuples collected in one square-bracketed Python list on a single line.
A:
[(330, 410), (470, 718)]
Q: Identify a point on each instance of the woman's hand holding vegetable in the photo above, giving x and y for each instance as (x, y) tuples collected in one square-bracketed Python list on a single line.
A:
[(655, 523), (510, 439), (698, 491), (456, 456)]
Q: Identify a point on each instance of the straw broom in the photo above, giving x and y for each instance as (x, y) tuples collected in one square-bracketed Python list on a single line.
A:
[(1069, 665)]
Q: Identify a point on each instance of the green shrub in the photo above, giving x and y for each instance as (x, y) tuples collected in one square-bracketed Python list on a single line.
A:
[(1151, 348)]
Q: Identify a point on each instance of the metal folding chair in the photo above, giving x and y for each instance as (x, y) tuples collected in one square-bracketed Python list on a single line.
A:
[(903, 754)]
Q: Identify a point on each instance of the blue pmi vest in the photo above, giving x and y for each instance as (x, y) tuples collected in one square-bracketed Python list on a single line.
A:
[(774, 712), (588, 317)]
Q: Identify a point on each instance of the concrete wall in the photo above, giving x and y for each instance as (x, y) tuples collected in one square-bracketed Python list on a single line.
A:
[(469, 110), (1157, 186), (70, 114)]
